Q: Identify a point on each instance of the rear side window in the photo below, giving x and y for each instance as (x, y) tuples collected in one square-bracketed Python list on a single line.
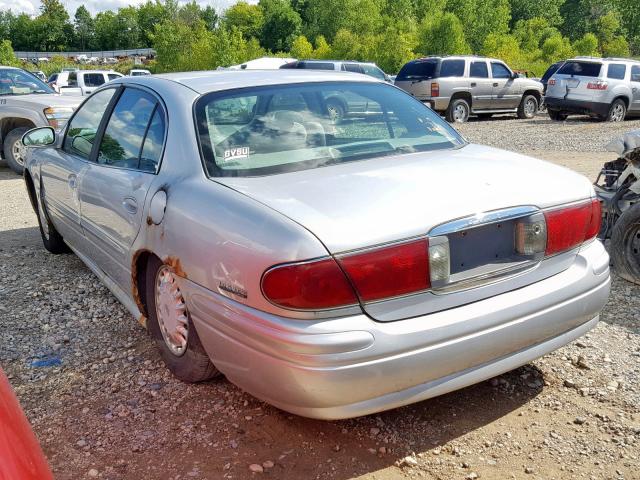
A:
[(93, 79), (123, 139), (113, 76), (84, 124), (452, 68), (635, 73), (373, 71), (316, 65), (352, 67), (616, 71), (73, 79), (479, 70), (498, 70), (152, 147), (583, 69), (418, 70)]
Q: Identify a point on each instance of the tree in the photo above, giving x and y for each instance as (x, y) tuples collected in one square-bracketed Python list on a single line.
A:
[(248, 19), (587, 45), (52, 28), (151, 14), (503, 46), (580, 16), (480, 18), (442, 34), (209, 17), (556, 48), (323, 49), (326, 17), (83, 23), (107, 30), (346, 45), (7, 57), (127, 24), (528, 9), (301, 48), (281, 26)]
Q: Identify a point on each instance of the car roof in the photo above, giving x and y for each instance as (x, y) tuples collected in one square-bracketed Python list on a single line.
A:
[(602, 59), (218, 80)]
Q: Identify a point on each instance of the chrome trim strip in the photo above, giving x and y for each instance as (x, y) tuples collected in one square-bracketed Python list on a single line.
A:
[(482, 219)]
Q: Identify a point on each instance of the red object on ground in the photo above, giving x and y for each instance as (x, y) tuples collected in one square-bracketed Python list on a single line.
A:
[(21, 457)]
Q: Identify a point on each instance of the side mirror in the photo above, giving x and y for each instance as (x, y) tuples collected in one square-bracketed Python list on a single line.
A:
[(387, 78), (39, 137)]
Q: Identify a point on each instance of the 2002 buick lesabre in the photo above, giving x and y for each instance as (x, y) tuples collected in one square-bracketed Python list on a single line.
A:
[(332, 266)]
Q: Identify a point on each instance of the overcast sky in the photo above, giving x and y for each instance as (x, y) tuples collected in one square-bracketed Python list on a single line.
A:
[(33, 6)]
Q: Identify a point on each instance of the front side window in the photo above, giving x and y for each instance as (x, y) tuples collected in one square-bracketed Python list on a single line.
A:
[(14, 81), (452, 68), (73, 79), (373, 71), (276, 129), (84, 124), (93, 79), (635, 73), (352, 67), (616, 71), (498, 70), (479, 70), (124, 136)]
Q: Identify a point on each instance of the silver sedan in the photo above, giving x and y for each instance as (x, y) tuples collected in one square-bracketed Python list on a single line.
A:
[(333, 266)]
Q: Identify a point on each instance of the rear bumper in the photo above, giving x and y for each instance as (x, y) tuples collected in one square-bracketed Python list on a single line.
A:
[(354, 366), (583, 107)]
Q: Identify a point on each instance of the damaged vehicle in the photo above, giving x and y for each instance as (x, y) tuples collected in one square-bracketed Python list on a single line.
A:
[(618, 186), (324, 266)]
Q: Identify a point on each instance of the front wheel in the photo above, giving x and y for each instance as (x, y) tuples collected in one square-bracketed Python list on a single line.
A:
[(617, 111), (458, 111), (171, 326), (528, 107), (625, 245), (51, 239), (14, 151)]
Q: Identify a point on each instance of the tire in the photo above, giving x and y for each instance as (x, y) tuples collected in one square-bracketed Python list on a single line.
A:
[(556, 115), (51, 238), (528, 107), (625, 245), (458, 111), (336, 110), (192, 364), (13, 151), (617, 111)]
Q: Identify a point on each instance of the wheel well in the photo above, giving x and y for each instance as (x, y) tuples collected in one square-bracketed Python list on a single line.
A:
[(464, 95), (535, 93), (10, 123), (139, 266), (31, 190), (623, 98)]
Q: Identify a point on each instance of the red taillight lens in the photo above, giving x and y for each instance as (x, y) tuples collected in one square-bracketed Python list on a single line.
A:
[(435, 89), (389, 271), (599, 85), (312, 285), (569, 227), (551, 82)]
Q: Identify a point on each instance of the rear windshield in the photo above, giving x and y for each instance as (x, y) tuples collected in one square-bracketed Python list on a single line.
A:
[(418, 70), (550, 71), (311, 65), (582, 69), (284, 128)]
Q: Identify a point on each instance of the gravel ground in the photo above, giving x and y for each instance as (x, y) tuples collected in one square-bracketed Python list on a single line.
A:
[(104, 406)]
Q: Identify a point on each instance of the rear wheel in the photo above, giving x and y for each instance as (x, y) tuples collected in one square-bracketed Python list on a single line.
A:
[(617, 111), (458, 111), (625, 245), (557, 115), (336, 110), (14, 151), (172, 328), (528, 107)]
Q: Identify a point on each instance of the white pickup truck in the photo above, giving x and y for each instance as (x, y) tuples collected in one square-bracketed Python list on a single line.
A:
[(25, 103)]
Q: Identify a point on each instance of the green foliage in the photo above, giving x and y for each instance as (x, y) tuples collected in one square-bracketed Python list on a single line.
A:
[(247, 18), (442, 33), (556, 48), (282, 24), (301, 48), (548, 10), (7, 56), (503, 46), (587, 45), (480, 18)]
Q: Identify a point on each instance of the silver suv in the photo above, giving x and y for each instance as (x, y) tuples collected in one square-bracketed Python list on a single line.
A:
[(460, 86), (605, 88)]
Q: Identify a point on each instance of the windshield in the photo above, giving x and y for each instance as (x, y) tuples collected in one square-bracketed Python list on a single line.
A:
[(284, 128), (18, 82), (418, 70), (582, 69)]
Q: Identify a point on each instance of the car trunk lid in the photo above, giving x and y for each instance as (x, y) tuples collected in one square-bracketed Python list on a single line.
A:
[(572, 80)]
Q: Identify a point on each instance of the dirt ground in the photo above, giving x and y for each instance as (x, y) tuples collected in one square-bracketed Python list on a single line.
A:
[(110, 410)]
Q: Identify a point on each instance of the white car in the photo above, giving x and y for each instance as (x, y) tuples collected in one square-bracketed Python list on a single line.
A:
[(81, 82)]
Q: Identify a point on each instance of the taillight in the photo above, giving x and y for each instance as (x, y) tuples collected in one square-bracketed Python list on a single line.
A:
[(435, 89), (599, 85), (311, 285), (570, 226), (389, 271), (551, 82)]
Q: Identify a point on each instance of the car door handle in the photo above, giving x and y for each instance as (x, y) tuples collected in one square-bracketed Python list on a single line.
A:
[(495, 84), (473, 84), (73, 181), (130, 205)]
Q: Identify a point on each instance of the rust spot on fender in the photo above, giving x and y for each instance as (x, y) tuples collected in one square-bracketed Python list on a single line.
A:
[(142, 320), (149, 221), (175, 264), (135, 293)]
